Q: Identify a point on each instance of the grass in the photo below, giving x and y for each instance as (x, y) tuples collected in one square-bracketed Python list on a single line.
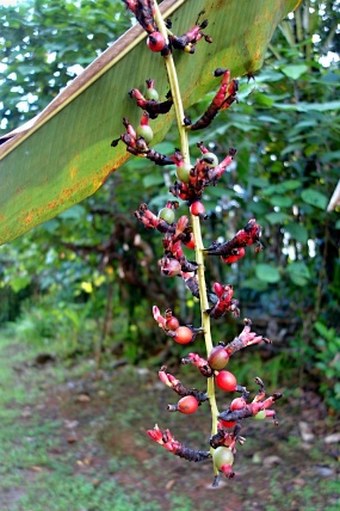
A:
[(113, 466)]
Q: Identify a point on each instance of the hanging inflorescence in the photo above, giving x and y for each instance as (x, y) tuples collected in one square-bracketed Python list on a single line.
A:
[(177, 234)]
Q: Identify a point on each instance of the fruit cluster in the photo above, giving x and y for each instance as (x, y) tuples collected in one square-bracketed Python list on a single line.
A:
[(184, 232)]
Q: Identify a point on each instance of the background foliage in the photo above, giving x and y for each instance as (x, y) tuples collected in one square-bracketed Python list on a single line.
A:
[(90, 276)]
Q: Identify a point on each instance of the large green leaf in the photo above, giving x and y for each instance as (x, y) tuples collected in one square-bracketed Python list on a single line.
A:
[(65, 154)]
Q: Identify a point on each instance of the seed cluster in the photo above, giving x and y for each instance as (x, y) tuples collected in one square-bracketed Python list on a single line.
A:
[(192, 180)]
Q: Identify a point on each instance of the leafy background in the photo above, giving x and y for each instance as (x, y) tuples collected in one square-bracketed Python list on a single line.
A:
[(76, 292), (89, 272)]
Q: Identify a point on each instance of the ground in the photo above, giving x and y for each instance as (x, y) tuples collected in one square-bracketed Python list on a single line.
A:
[(73, 439)]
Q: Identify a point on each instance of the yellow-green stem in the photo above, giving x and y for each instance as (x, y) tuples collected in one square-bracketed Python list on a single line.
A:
[(196, 226)]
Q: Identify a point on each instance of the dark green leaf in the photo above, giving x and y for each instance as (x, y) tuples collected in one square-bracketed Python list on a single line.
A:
[(315, 198), (298, 273), (297, 232), (267, 273)]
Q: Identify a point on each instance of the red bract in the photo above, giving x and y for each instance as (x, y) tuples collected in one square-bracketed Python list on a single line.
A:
[(143, 10), (198, 361), (225, 96), (237, 254), (246, 338), (231, 251), (226, 424), (224, 301), (238, 403), (151, 105), (169, 266), (187, 42)]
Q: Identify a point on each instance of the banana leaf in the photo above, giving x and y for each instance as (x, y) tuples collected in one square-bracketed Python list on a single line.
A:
[(64, 154)]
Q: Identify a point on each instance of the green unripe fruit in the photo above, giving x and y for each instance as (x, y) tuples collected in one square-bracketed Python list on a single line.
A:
[(210, 158), (183, 172), (167, 214), (152, 94), (145, 131), (222, 456)]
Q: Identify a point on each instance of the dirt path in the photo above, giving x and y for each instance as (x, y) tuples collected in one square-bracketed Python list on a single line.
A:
[(74, 440)]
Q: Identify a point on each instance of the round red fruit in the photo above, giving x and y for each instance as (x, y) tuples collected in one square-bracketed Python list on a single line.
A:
[(197, 208), (172, 323), (156, 42), (226, 381), (183, 335), (218, 358), (187, 405)]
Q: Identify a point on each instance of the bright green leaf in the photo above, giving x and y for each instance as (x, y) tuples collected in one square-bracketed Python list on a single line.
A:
[(19, 283), (67, 155), (294, 71)]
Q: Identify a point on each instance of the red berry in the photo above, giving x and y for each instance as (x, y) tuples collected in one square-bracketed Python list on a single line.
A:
[(218, 358), (238, 404), (197, 208), (187, 405), (226, 381), (156, 41), (183, 335), (172, 323)]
